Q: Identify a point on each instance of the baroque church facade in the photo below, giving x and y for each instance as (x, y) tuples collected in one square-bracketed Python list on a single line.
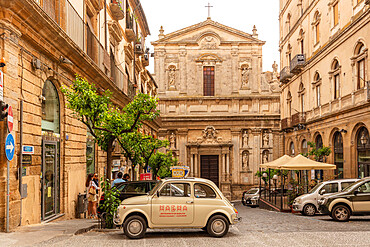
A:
[(219, 110)]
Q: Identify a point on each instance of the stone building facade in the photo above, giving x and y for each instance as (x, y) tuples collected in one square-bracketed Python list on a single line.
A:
[(325, 81), (218, 109), (44, 44)]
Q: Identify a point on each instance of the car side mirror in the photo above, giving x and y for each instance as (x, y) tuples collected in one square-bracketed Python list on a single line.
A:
[(322, 192), (157, 193), (355, 192)]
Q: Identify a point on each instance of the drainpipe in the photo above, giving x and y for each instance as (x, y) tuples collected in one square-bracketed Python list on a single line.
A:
[(20, 176)]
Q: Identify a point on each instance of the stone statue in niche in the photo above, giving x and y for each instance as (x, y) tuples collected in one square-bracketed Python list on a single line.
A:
[(209, 43), (171, 77), (265, 157), (245, 139), (172, 141), (245, 160), (245, 70), (265, 138)]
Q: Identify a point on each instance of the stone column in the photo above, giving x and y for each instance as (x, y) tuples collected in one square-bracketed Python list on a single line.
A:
[(234, 69), (255, 84), (183, 69), (181, 146), (161, 70), (235, 140)]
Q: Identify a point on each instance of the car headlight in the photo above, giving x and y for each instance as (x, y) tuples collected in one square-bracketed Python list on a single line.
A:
[(254, 198), (322, 201)]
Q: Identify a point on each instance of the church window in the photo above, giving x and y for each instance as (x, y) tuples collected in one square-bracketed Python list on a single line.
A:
[(208, 80), (316, 26)]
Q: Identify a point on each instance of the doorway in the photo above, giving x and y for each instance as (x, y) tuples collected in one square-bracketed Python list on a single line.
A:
[(50, 178), (209, 168)]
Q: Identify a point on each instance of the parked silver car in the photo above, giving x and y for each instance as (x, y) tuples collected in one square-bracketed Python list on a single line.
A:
[(307, 204), (251, 197)]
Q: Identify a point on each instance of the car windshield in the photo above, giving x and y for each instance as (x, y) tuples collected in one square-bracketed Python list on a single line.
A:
[(314, 189), (352, 186), (252, 191), (155, 187)]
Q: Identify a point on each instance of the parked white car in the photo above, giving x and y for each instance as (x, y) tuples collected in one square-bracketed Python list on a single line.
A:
[(178, 203), (307, 204)]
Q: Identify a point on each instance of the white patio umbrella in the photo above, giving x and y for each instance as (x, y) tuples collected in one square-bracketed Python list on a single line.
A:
[(302, 163), (276, 164)]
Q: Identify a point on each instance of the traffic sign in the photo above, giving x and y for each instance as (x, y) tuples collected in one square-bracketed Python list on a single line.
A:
[(10, 118), (9, 147)]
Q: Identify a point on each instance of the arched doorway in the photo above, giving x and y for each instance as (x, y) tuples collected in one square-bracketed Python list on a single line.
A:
[(50, 176), (338, 154), (363, 152)]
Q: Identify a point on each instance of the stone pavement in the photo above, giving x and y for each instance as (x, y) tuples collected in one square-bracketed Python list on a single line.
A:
[(46, 232), (258, 228)]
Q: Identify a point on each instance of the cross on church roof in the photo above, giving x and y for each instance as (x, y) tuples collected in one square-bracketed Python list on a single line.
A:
[(209, 9)]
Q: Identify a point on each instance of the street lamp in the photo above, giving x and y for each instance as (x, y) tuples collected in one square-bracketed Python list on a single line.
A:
[(264, 175), (275, 178)]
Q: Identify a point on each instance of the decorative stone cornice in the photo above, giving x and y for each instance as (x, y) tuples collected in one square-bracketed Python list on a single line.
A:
[(208, 22)]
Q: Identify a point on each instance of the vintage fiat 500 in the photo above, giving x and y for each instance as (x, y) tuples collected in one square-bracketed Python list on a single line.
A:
[(178, 203)]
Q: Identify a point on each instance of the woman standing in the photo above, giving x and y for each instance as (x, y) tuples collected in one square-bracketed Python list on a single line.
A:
[(92, 195)]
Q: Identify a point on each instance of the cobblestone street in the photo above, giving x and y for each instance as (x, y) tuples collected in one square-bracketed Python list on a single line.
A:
[(258, 228)]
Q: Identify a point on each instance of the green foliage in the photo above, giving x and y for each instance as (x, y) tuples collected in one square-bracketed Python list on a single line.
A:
[(272, 173), (111, 202), (139, 148), (318, 153), (160, 163), (105, 121)]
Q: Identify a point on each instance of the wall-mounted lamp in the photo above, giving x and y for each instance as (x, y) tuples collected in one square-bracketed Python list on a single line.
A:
[(343, 131), (65, 60)]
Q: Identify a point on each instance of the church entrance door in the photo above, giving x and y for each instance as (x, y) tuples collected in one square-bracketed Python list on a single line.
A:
[(209, 168)]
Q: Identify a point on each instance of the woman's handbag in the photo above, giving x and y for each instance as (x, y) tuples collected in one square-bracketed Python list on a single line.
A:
[(92, 190)]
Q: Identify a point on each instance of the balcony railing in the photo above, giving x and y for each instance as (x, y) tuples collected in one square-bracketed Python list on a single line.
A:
[(297, 63), (50, 9), (130, 33), (285, 74), (116, 8), (298, 118), (286, 123), (82, 34)]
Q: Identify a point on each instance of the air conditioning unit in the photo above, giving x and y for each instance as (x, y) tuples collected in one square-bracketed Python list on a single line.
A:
[(138, 47)]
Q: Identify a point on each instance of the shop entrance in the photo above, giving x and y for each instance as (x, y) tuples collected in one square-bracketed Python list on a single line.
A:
[(50, 177)]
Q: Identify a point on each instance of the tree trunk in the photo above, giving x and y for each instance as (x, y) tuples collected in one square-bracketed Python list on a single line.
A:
[(109, 159)]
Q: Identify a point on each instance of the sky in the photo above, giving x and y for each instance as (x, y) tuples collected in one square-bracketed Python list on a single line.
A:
[(240, 14)]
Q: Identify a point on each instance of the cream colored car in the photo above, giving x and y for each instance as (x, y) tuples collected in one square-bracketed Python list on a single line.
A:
[(178, 203)]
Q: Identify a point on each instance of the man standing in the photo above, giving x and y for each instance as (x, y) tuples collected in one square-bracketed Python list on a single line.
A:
[(118, 179)]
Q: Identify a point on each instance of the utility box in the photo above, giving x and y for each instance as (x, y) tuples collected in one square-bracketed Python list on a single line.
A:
[(82, 203)]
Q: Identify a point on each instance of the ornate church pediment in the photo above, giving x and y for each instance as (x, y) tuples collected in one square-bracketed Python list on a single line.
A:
[(209, 41), (209, 135)]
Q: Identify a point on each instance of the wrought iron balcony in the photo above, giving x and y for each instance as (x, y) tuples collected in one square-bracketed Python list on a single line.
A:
[(298, 118), (297, 63), (130, 89), (285, 74), (115, 7)]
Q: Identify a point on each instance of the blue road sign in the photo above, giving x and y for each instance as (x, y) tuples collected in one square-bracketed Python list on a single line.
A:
[(9, 147)]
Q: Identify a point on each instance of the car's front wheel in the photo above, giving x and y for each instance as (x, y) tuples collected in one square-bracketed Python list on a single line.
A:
[(309, 210), (218, 226), (134, 227), (341, 213)]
